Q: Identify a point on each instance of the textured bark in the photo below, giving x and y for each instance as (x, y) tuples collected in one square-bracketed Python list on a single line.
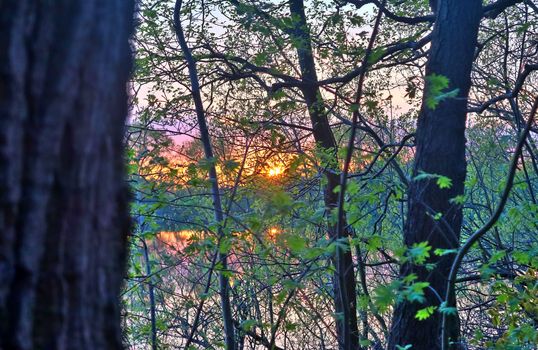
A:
[(64, 65), (440, 150), (345, 293)]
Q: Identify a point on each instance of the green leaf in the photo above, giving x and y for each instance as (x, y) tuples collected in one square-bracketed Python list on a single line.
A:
[(260, 58), (442, 252), (290, 326), (444, 182), (425, 313), (407, 347), (436, 83), (290, 285), (295, 243), (419, 252), (225, 246), (247, 325), (449, 310), (281, 201), (352, 188), (385, 295), (231, 165), (365, 342), (279, 94), (227, 273), (353, 107), (524, 27), (497, 256), (521, 257), (415, 292), (423, 176), (410, 278), (374, 243), (459, 200), (207, 163), (376, 55), (449, 94)]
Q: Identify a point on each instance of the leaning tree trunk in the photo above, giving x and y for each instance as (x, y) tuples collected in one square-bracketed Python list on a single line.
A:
[(64, 221), (345, 292), (440, 140)]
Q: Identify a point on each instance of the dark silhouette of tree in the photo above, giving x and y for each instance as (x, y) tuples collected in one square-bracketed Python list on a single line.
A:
[(64, 221), (440, 140)]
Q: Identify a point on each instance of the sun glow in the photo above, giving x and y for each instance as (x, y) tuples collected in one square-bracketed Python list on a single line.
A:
[(275, 171), (176, 239), (273, 232)]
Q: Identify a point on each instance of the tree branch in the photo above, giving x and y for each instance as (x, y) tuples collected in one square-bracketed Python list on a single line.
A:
[(484, 229)]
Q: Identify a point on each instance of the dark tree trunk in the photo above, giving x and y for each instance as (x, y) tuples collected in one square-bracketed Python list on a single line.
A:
[(64, 65), (224, 281), (345, 293), (440, 150)]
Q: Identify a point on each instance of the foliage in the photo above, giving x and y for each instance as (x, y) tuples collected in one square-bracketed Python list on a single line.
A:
[(277, 231)]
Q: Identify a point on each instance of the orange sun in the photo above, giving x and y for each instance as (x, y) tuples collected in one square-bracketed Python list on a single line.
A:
[(275, 171), (273, 232)]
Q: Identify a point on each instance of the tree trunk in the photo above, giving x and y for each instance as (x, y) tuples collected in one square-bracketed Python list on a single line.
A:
[(440, 140), (224, 280), (64, 65), (345, 293)]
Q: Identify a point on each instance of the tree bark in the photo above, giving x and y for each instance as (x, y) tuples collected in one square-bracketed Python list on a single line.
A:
[(64, 218), (345, 293), (440, 140)]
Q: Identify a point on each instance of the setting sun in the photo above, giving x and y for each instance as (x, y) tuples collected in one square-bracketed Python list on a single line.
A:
[(273, 232), (275, 171)]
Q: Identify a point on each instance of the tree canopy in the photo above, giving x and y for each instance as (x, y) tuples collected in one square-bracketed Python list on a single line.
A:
[(333, 174)]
